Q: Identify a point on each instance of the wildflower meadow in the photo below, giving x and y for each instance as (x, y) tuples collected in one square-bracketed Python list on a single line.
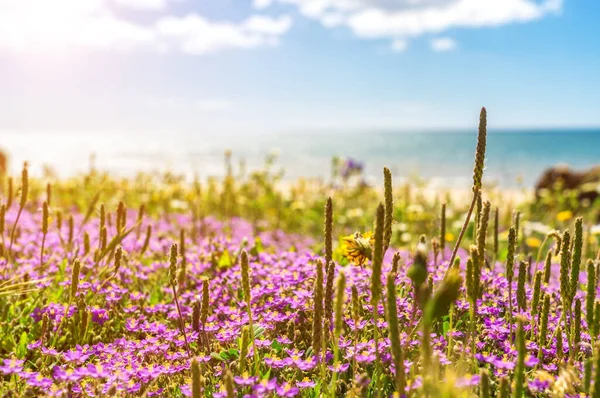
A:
[(251, 286)]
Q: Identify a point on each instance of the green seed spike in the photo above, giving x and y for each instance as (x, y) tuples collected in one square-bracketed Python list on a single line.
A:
[(484, 384), (2, 219), (519, 378), (120, 210), (576, 329), (205, 302), (71, 226), (24, 186), (558, 237), (22, 202), (86, 243), (504, 388), (377, 257), (49, 193), (471, 288), (477, 179), (395, 262), (394, 330), (565, 260), (75, 277), (521, 297), (376, 275), (595, 389), (510, 255), (480, 151), (576, 258), (559, 343), (591, 293), (389, 208), (328, 298), (245, 266), (517, 226), (196, 379), (338, 324), (228, 381), (146, 240), (478, 208), (317, 327), (102, 216), (537, 287), (173, 265), (596, 325), (244, 349), (182, 271), (140, 218), (496, 230), (587, 375), (443, 229), (118, 259), (444, 296), (339, 307), (10, 193), (475, 256), (45, 218), (328, 232), (44, 230), (481, 234), (548, 267), (196, 317), (542, 338)]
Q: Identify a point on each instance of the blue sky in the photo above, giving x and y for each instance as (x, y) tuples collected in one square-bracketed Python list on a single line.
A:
[(220, 66)]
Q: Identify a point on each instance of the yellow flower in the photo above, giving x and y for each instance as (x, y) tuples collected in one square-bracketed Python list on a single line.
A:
[(357, 247), (449, 237), (565, 215), (534, 242)]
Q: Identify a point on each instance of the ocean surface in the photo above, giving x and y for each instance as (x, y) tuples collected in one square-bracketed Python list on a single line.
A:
[(515, 157)]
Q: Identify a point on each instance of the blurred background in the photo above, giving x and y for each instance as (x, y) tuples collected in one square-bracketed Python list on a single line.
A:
[(171, 84)]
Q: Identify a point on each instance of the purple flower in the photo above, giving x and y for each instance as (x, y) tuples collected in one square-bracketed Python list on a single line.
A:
[(305, 383), (12, 366), (245, 379), (287, 390)]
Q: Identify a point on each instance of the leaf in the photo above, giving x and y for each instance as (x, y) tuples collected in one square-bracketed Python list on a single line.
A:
[(22, 347), (446, 327)]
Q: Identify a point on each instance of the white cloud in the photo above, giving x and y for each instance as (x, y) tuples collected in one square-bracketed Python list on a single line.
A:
[(262, 3), (267, 25), (399, 45), (194, 34), (42, 25), (142, 4), (411, 18), (443, 44)]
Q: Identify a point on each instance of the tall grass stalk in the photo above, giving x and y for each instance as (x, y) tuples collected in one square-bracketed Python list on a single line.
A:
[(477, 180)]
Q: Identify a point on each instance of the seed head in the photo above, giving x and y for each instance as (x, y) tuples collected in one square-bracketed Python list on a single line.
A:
[(328, 231), (480, 151), (24, 185), (75, 277), (173, 265), (537, 285), (377, 256), (576, 259), (510, 255), (45, 218), (389, 208)]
